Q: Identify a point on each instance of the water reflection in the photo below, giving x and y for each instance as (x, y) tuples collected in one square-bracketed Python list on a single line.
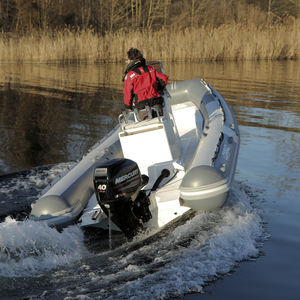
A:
[(38, 129), (261, 93), (54, 113), (85, 78)]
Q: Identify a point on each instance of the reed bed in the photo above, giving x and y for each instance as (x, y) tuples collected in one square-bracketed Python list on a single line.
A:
[(227, 42)]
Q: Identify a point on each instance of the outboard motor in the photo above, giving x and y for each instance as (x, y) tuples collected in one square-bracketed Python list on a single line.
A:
[(118, 183)]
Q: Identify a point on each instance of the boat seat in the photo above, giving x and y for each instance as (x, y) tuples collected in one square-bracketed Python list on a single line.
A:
[(149, 112)]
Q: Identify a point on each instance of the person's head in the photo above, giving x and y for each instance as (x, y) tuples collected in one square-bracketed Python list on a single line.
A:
[(134, 54)]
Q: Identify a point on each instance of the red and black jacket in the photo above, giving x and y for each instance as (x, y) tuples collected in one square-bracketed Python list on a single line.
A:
[(142, 84)]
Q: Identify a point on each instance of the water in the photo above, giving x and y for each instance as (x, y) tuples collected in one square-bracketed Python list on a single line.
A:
[(51, 115)]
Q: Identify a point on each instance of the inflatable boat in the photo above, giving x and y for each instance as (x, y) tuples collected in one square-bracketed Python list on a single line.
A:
[(149, 171)]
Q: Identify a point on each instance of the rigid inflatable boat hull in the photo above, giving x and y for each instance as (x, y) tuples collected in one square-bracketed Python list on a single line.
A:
[(196, 141), (203, 188)]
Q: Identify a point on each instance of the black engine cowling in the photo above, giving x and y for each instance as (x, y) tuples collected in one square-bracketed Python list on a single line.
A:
[(118, 183)]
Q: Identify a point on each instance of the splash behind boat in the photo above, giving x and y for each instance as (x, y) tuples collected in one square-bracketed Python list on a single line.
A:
[(146, 173)]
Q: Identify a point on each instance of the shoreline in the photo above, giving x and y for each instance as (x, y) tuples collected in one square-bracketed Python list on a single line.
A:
[(195, 44)]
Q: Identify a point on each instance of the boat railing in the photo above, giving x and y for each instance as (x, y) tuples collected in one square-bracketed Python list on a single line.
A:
[(136, 116)]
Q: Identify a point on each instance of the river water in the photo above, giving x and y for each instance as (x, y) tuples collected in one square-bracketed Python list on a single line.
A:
[(50, 115)]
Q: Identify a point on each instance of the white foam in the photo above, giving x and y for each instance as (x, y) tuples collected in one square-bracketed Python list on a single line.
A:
[(37, 180), (194, 253), (28, 248), (180, 261)]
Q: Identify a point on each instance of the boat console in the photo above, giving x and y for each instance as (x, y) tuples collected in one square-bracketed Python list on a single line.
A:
[(151, 143)]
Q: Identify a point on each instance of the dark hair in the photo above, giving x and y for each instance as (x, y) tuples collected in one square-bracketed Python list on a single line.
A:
[(134, 54)]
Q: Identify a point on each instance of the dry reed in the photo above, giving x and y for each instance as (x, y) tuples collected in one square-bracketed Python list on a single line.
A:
[(226, 42)]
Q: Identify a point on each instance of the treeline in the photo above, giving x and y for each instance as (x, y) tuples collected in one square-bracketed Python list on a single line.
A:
[(102, 16), (67, 31)]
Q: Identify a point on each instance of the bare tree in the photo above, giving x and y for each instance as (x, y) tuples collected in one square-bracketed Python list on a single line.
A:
[(112, 15)]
